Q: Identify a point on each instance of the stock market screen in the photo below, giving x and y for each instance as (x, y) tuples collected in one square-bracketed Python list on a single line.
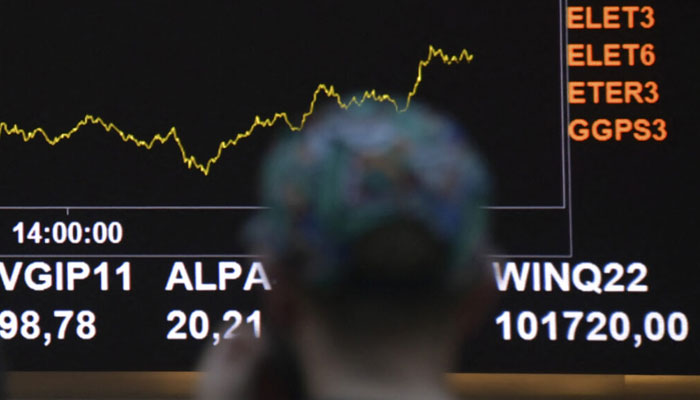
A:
[(131, 135)]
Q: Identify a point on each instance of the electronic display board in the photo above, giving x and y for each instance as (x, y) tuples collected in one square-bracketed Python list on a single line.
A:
[(131, 135)]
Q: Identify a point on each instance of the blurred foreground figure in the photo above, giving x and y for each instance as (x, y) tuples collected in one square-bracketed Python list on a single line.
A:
[(373, 235)]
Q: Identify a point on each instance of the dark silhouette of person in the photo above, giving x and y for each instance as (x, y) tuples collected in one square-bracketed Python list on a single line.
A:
[(373, 237)]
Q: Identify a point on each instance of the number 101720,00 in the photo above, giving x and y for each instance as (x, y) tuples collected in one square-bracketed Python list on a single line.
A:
[(598, 327)]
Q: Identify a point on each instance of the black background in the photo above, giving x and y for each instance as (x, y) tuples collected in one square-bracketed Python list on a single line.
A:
[(207, 68)]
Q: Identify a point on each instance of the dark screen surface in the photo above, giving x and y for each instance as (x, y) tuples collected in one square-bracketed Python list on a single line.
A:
[(585, 111)]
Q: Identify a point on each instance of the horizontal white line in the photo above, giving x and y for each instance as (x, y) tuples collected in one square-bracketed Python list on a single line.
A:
[(560, 207), (524, 207), (131, 256), (227, 256), (133, 208), (530, 255)]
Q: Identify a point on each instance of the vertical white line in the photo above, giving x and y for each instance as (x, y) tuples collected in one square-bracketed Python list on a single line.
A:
[(562, 66), (568, 144)]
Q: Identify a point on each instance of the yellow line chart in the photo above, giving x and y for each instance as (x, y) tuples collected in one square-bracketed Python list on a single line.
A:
[(204, 167)]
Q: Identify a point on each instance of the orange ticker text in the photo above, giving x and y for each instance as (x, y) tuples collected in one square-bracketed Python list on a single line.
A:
[(610, 17), (613, 55), (613, 92), (603, 129)]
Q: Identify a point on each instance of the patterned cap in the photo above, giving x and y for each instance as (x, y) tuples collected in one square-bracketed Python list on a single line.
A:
[(351, 171)]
